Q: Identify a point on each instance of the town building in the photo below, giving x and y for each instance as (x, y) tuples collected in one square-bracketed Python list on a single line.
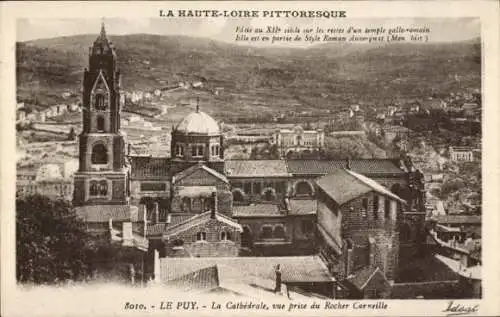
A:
[(51, 180), (298, 140), (461, 154)]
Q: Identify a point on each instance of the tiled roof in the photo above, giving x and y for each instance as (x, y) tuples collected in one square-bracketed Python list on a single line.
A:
[(159, 228), (102, 213), (293, 268), (194, 168), (200, 219), (362, 277), (303, 207), (256, 168), (459, 219), (314, 167), (149, 167), (363, 166), (202, 279), (257, 210), (345, 185)]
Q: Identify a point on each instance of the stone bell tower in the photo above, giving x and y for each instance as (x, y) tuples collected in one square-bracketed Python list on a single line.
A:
[(102, 177)]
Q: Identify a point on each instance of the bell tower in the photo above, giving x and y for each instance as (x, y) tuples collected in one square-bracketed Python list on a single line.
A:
[(102, 177)]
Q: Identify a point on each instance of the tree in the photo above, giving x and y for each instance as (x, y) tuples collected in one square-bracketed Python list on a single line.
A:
[(51, 242)]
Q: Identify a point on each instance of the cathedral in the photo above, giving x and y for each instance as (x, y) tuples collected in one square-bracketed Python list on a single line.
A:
[(196, 203)]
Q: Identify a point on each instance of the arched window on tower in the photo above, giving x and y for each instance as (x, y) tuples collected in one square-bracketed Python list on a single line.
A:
[(100, 124), (98, 188), (99, 102), (99, 154), (179, 150)]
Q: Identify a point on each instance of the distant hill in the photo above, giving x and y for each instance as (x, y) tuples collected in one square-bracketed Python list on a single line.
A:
[(321, 76)]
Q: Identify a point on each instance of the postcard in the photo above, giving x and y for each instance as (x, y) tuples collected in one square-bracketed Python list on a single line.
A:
[(250, 158)]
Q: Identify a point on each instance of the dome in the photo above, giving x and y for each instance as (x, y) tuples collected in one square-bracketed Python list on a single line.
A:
[(198, 122)]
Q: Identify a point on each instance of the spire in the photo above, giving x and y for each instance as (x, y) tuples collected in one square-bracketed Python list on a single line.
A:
[(103, 30), (197, 104)]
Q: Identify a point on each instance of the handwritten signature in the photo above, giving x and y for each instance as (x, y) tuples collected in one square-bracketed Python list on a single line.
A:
[(459, 309)]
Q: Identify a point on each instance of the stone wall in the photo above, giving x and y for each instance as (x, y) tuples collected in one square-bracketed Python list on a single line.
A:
[(213, 246)]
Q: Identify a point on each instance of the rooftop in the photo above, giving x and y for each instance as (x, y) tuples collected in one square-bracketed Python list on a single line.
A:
[(198, 122), (293, 268), (102, 213), (149, 167), (256, 168), (303, 207), (362, 277), (345, 185), (257, 210), (198, 220), (459, 219), (194, 168), (362, 166)]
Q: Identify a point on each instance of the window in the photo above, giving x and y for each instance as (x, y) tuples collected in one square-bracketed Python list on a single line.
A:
[(365, 204), (375, 207), (99, 154), (225, 236), (215, 150), (100, 124), (178, 150), (248, 188), (186, 204), (201, 236), (279, 232), (266, 232), (269, 195), (257, 188), (387, 208), (98, 188), (99, 103), (197, 150), (178, 243), (281, 187), (237, 196), (307, 226)]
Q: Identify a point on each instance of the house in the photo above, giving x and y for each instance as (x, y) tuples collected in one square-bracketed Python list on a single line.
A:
[(395, 131), (21, 115), (469, 224), (298, 140), (461, 153), (367, 283), (278, 229), (197, 84), (357, 223), (209, 234), (306, 273)]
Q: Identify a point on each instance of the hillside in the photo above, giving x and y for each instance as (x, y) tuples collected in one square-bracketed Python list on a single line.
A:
[(262, 79)]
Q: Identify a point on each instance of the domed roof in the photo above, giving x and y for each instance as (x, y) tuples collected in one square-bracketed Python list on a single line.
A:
[(198, 122)]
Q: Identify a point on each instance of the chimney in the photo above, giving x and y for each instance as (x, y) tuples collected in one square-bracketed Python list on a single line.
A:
[(214, 205), (143, 209), (157, 277), (371, 251), (127, 234), (157, 213)]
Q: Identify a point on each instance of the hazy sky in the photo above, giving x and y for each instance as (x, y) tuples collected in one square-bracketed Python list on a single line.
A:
[(442, 29)]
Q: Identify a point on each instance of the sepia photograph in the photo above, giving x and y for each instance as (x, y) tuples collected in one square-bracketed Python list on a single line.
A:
[(262, 157)]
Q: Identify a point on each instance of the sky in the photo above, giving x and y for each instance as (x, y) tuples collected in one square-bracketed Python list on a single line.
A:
[(442, 29)]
